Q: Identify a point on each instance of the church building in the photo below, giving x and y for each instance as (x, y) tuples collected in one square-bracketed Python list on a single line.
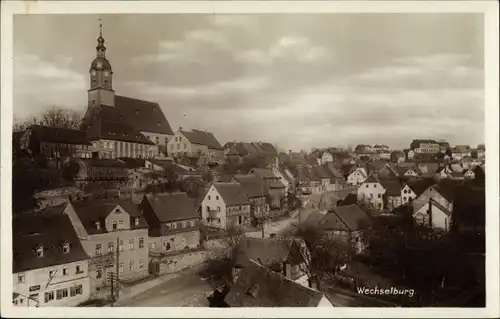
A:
[(120, 126)]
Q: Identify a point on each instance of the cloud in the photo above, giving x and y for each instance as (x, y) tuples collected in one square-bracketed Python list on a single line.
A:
[(287, 48), (188, 49), (37, 80)]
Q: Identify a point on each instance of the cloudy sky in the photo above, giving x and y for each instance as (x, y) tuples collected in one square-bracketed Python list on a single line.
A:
[(299, 81)]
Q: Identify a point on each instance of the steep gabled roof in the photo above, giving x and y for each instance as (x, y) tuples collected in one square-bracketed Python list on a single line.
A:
[(418, 186), (91, 210), (353, 217), (50, 231), (146, 116), (251, 185), (231, 193), (258, 286), (392, 188), (202, 138), (264, 173), (172, 207)]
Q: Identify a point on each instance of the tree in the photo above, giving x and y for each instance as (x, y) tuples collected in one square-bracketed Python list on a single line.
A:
[(54, 117), (327, 254)]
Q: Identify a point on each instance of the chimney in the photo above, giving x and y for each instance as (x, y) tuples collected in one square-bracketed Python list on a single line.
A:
[(290, 152), (429, 212), (180, 128)]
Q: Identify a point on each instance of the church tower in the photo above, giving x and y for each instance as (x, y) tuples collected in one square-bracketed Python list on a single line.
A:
[(101, 78)]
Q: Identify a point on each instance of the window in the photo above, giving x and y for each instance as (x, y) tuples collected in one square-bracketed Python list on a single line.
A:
[(166, 140), (79, 269), (114, 225), (136, 221), (141, 263), (76, 290), (217, 197), (65, 271), (366, 185), (98, 249), (379, 195), (153, 245), (131, 265), (111, 247), (120, 224), (98, 273), (141, 242), (61, 293), (121, 268), (49, 296), (157, 140), (39, 251), (218, 208), (120, 245), (404, 198), (185, 146), (131, 244), (375, 185), (66, 248), (51, 273), (174, 225), (208, 197), (179, 225), (21, 279)]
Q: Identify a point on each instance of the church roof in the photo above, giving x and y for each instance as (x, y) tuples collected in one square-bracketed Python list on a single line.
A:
[(145, 116), (101, 128)]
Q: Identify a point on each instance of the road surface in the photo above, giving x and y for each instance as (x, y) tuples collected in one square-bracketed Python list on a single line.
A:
[(188, 290)]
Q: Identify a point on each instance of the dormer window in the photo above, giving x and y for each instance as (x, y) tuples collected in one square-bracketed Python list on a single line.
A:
[(98, 225), (136, 221), (66, 248), (39, 251)]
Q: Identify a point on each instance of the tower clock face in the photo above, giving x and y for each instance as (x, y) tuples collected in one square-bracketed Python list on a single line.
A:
[(93, 73)]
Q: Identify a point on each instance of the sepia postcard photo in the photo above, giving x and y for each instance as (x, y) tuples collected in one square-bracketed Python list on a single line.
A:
[(201, 155)]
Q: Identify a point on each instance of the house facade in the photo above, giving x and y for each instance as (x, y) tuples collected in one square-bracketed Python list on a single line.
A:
[(433, 212), (50, 266), (196, 144), (112, 232), (173, 222), (225, 205), (358, 176), (256, 192), (425, 146), (371, 193), (326, 157), (275, 187)]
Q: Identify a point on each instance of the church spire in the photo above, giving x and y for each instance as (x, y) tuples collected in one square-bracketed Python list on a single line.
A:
[(100, 48)]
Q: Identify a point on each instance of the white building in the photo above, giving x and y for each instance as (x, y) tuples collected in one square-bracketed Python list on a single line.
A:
[(50, 266), (326, 158), (358, 176), (441, 216), (196, 143)]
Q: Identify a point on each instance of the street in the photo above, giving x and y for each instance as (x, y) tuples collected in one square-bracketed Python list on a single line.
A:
[(187, 290)]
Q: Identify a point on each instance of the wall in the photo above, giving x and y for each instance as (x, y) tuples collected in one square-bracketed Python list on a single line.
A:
[(233, 215), (175, 241), (59, 281), (161, 139), (135, 255), (371, 193), (432, 193), (213, 201), (439, 218), (174, 263)]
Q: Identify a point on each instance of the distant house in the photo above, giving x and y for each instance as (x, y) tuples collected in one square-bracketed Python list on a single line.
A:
[(283, 178), (444, 195), (173, 222), (326, 157), (256, 192), (414, 188), (258, 286), (275, 187), (196, 143), (410, 154), (397, 156), (434, 212), (319, 174), (104, 226), (349, 223), (358, 176), (49, 264), (337, 180), (225, 205), (233, 156), (407, 172), (425, 146), (98, 170), (291, 258), (380, 193), (54, 142)]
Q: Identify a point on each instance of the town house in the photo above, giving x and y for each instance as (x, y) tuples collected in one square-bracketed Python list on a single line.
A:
[(358, 176), (440, 193), (258, 286), (225, 205), (414, 188), (111, 232), (291, 258), (283, 178), (371, 193), (349, 223), (337, 180), (173, 222), (425, 146), (256, 192), (326, 157), (275, 187), (50, 266), (196, 144), (434, 215)]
